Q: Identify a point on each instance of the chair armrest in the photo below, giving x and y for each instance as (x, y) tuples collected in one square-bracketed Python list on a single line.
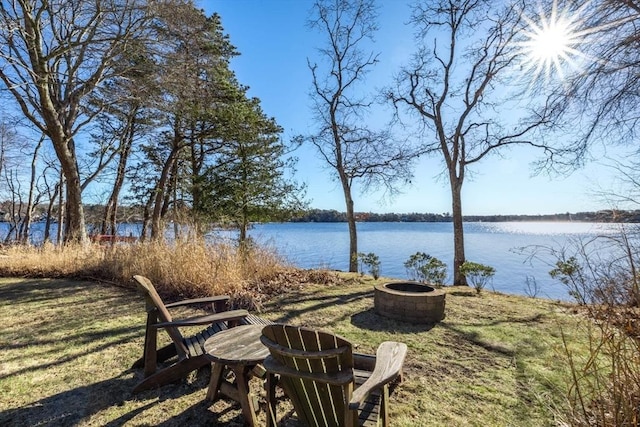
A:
[(217, 298), (204, 320), (389, 360)]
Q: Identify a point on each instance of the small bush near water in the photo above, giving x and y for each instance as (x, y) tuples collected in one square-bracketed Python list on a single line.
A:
[(185, 269), (372, 262), (426, 269), (477, 274)]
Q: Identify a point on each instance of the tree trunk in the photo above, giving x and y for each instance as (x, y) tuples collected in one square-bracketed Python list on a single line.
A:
[(61, 212), (47, 225), (146, 219), (351, 221), (76, 230), (159, 207), (26, 224), (111, 210), (458, 232), (242, 238)]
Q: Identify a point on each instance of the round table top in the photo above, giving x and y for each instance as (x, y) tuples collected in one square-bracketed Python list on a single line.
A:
[(238, 345)]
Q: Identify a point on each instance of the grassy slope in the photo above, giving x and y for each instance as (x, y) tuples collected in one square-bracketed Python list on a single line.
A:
[(67, 348)]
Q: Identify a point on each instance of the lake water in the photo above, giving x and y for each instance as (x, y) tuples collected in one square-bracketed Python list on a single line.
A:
[(326, 245), (312, 245)]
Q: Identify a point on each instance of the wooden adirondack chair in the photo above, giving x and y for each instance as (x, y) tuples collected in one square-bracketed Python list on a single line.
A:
[(189, 350), (328, 384)]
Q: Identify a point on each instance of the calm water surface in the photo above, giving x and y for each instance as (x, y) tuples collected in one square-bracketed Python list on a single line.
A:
[(312, 245)]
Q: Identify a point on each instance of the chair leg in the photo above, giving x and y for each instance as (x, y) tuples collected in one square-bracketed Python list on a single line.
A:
[(271, 400), (246, 399), (384, 407), (171, 374), (149, 355)]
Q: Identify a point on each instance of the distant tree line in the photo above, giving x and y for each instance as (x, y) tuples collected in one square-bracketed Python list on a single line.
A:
[(135, 214), (320, 215)]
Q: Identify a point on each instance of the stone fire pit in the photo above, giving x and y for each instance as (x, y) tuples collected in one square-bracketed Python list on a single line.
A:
[(410, 302)]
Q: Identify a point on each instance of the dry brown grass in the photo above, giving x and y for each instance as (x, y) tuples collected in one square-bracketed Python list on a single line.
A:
[(178, 269), (49, 260)]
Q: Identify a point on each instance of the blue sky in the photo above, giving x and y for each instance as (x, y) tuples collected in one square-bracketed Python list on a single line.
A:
[(274, 43)]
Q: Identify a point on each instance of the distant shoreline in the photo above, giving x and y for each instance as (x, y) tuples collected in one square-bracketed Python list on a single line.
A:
[(607, 216), (326, 215)]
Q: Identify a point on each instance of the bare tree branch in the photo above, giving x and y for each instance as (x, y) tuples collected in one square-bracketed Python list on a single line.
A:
[(352, 151), (457, 91)]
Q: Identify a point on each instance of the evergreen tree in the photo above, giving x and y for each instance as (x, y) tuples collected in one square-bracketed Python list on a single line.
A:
[(248, 181)]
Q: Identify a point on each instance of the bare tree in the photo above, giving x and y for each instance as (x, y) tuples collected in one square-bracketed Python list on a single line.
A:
[(33, 197), (52, 55), (8, 144), (53, 192), (600, 96), (350, 149), (456, 87), (14, 148)]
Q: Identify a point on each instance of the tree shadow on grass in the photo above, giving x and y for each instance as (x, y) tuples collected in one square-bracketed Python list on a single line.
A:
[(199, 414), (525, 347), (70, 407), (466, 293), (34, 290), (370, 320), (317, 303), (94, 342)]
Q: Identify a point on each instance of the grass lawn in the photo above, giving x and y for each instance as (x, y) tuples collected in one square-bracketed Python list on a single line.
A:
[(67, 349)]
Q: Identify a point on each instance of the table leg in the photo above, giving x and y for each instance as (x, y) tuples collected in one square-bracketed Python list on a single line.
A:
[(246, 400), (217, 370)]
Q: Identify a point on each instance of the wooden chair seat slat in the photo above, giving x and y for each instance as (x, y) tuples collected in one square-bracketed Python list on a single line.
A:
[(252, 319), (188, 342), (201, 339)]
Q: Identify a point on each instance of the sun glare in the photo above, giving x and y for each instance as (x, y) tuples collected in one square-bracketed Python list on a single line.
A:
[(551, 43)]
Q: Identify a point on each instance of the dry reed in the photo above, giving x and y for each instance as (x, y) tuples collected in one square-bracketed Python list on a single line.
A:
[(180, 268)]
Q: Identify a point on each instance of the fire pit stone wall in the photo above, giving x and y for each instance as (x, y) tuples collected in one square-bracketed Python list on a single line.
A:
[(410, 302)]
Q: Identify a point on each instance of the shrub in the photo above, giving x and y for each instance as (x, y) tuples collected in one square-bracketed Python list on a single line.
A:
[(426, 268), (601, 274), (478, 275), (372, 262), (569, 273), (604, 386)]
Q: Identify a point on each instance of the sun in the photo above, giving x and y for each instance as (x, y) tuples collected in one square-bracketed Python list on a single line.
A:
[(551, 43)]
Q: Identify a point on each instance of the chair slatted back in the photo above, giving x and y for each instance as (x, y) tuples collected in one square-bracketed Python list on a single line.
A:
[(156, 308), (316, 372)]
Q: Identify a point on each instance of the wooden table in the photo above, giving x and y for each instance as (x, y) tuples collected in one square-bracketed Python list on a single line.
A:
[(240, 350)]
